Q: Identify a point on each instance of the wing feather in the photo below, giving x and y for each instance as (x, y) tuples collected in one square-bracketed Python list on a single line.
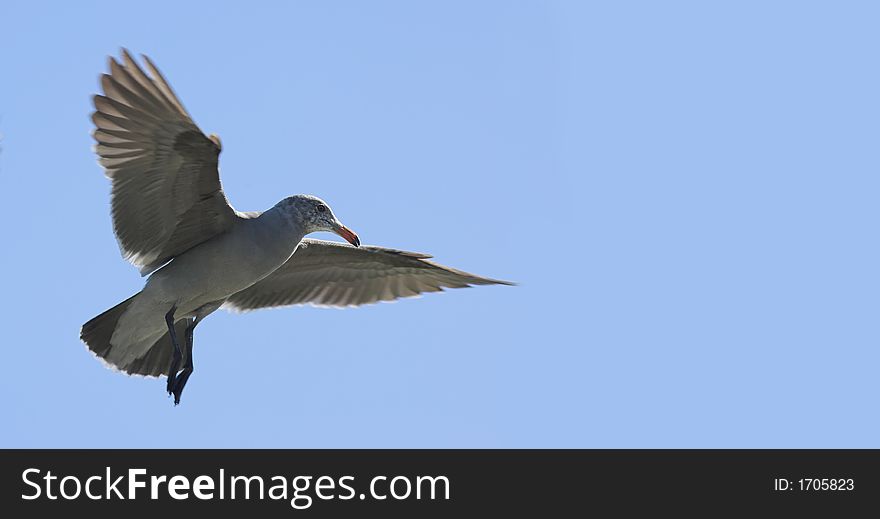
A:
[(334, 274), (166, 192)]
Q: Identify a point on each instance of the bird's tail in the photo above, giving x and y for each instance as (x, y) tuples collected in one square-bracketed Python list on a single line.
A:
[(154, 362)]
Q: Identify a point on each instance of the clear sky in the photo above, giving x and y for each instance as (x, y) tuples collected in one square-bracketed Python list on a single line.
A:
[(686, 191)]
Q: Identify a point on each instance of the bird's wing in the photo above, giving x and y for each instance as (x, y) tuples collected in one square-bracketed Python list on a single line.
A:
[(166, 194), (329, 273)]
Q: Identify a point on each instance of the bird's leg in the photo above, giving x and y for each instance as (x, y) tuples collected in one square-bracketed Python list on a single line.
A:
[(188, 368), (175, 359)]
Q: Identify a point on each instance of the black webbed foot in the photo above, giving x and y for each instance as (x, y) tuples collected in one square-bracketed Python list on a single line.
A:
[(175, 359), (177, 382)]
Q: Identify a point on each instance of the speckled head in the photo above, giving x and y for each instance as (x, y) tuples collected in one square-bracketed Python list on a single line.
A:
[(314, 215)]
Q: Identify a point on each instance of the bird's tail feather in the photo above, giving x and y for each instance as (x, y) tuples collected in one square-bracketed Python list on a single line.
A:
[(154, 362)]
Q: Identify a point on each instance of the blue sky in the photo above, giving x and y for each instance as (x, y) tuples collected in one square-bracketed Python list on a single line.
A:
[(686, 192)]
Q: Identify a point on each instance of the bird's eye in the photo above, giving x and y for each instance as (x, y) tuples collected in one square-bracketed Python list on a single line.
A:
[(322, 208)]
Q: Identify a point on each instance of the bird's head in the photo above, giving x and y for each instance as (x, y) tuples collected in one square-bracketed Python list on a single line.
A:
[(312, 214)]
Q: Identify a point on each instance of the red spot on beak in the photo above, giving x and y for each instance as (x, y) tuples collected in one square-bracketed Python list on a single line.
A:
[(349, 235)]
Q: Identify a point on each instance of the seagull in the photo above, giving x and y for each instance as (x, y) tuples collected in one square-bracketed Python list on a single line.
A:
[(173, 222)]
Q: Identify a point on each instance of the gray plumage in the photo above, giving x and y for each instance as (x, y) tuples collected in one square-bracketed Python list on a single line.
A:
[(166, 195), (325, 273), (173, 221)]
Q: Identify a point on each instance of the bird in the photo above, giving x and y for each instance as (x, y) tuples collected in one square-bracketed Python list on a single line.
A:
[(172, 221)]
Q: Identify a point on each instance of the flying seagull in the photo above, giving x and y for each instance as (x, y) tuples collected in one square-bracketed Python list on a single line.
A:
[(173, 221)]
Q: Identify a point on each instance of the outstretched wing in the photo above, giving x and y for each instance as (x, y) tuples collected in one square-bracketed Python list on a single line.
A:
[(166, 194), (335, 274)]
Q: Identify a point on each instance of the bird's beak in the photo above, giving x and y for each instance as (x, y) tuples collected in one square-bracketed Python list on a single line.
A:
[(348, 234)]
